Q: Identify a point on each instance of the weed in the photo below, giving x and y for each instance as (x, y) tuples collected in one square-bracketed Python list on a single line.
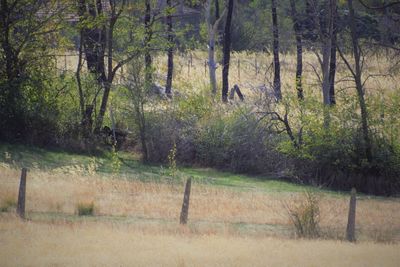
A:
[(304, 215), (115, 161), (172, 161), (8, 203), (92, 166), (85, 208)]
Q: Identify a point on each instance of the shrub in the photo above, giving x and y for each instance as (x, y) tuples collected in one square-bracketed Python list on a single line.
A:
[(85, 208), (8, 203), (304, 215)]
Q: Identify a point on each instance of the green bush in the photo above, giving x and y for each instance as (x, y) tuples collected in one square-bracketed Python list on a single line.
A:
[(8, 203), (85, 208)]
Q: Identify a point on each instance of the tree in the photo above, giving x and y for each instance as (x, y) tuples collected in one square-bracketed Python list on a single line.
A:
[(137, 91), (356, 72), (299, 49), (212, 28), (326, 39), (28, 29), (227, 51), (277, 67), (148, 24), (322, 19), (104, 49), (170, 38), (332, 66)]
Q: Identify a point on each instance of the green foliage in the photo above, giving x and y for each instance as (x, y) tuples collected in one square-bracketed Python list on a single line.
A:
[(8, 203), (85, 208), (172, 162), (115, 161)]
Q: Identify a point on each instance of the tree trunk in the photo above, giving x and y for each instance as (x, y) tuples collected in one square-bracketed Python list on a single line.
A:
[(326, 37), (148, 35), (216, 9), (94, 40), (332, 67), (227, 52), (299, 49), (212, 28), (277, 67), (168, 85), (212, 66), (142, 130), (359, 87), (110, 74)]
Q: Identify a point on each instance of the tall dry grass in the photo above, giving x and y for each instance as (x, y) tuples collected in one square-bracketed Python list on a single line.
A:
[(212, 209), (107, 244)]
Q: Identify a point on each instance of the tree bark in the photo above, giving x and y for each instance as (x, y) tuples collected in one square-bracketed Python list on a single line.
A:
[(216, 9), (227, 52), (299, 49), (110, 71), (326, 37), (212, 28), (170, 38), (277, 67), (148, 35), (357, 73), (332, 67)]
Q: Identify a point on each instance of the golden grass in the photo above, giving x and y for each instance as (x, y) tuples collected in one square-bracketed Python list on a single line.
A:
[(377, 219), (101, 244), (243, 72), (192, 77)]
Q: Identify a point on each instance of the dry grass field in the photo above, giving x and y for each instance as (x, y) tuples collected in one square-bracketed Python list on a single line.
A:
[(100, 244), (136, 223), (251, 70)]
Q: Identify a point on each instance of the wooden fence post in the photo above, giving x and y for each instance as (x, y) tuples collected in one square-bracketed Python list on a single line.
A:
[(21, 194), (185, 205), (351, 223)]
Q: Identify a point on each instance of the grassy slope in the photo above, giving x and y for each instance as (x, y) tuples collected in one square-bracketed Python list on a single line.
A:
[(131, 168)]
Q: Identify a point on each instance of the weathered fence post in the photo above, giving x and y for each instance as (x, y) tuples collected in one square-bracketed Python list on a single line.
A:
[(185, 205), (351, 223), (21, 194), (205, 67)]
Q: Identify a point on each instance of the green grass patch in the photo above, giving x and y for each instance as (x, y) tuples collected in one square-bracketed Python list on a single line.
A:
[(85, 209), (131, 168)]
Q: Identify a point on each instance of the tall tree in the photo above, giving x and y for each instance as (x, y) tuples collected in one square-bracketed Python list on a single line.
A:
[(27, 31), (94, 37), (299, 49), (101, 25), (322, 20), (277, 67), (227, 51), (170, 38), (148, 36), (212, 27), (356, 72), (332, 66)]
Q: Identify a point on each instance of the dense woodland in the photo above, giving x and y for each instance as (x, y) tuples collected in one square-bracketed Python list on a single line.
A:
[(332, 123)]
